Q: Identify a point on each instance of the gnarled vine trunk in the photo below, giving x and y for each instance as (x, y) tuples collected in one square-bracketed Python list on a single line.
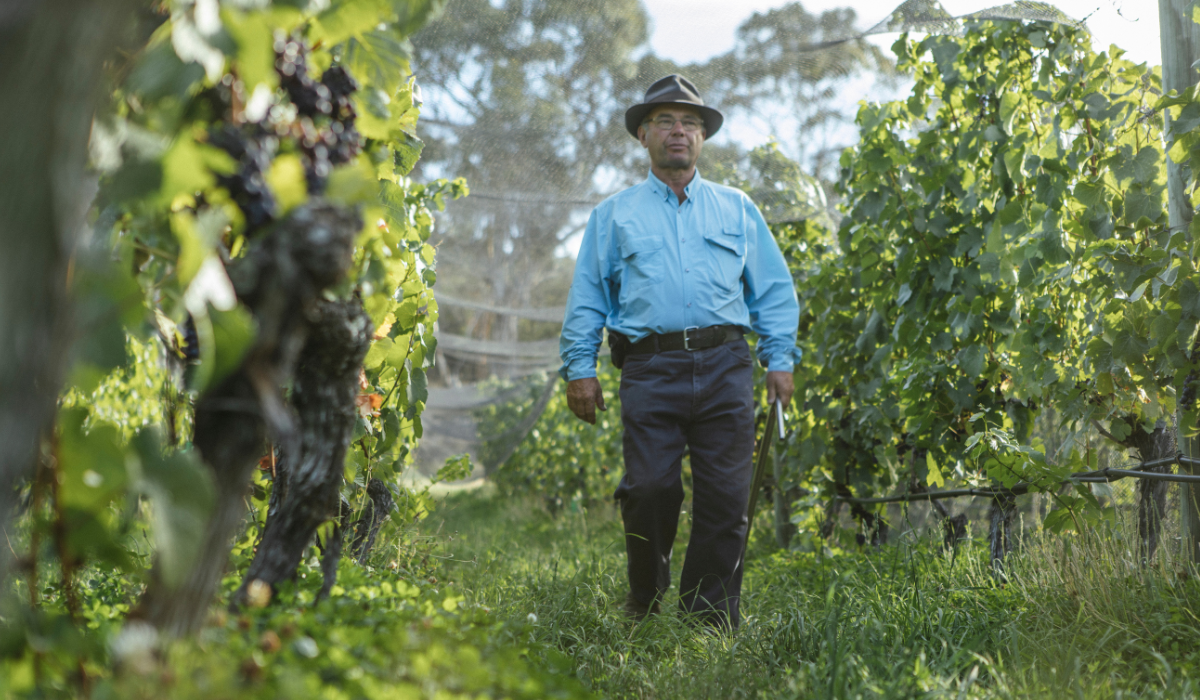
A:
[(308, 480), (280, 281), (1152, 494), (954, 527), (380, 505), (1001, 530), (874, 525)]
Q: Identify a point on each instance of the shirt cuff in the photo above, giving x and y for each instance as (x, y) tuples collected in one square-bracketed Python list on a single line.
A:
[(578, 369), (785, 362)]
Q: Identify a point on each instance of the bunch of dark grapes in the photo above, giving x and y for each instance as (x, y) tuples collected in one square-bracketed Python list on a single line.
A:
[(347, 141), (253, 147), (322, 147), (213, 103), (291, 63), (324, 130)]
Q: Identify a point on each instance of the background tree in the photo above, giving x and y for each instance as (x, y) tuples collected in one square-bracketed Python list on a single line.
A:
[(799, 73)]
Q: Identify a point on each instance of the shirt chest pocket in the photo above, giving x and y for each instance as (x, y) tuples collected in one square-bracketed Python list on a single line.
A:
[(643, 262), (726, 253)]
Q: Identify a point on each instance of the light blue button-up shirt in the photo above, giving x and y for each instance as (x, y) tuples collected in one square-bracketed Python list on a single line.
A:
[(650, 265)]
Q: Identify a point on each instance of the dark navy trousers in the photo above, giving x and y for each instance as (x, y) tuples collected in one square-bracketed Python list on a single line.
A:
[(704, 401)]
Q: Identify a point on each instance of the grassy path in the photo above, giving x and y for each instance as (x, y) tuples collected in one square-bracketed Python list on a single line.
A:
[(1077, 620)]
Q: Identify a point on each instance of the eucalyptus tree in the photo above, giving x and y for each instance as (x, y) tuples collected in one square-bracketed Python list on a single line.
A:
[(523, 101), (802, 73)]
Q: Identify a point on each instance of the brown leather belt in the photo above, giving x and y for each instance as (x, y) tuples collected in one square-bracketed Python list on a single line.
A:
[(690, 339)]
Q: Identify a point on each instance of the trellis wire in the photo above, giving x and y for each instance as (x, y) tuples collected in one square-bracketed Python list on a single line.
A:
[(1099, 476)]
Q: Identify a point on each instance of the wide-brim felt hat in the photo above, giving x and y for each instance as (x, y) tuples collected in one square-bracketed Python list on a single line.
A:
[(673, 90)]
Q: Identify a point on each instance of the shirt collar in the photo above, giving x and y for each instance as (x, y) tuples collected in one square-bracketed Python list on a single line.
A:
[(661, 189)]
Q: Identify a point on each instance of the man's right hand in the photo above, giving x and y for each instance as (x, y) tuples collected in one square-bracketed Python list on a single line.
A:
[(584, 396)]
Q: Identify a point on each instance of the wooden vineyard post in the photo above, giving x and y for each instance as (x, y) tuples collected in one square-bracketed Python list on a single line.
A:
[(1180, 42), (1190, 500)]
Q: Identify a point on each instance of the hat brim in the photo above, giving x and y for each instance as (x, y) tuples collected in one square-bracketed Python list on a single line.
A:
[(637, 113)]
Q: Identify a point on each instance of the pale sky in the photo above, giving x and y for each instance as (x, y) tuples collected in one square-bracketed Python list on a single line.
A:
[(694, 30)]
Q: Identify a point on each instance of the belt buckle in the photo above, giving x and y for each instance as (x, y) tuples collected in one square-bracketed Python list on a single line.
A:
[(685, 338)]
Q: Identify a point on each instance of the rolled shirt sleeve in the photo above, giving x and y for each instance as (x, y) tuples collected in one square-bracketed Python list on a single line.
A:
[(770, 295), (588, 305)]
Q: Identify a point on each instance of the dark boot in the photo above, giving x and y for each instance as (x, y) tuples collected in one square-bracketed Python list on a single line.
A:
[(636, 611)]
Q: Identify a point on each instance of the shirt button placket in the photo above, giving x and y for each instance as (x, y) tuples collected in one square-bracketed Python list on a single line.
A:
[(683, 258)]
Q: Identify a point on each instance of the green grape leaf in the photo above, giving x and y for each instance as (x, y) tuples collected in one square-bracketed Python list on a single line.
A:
[(377, 353), (288, 183), (411, 15), (225, 338), (455, 468), (1139, 169), (1009, 103), (345, 19), (1120, 430), (91, 463), (390, 419), (379, 59), (1128, 347), (1189, 298), (160, 74), (419, 388), (408, 151), (972, 360), (253, 35), (353, 183), (399, 352), (1142, 208), (934, 477), (1091, 195)]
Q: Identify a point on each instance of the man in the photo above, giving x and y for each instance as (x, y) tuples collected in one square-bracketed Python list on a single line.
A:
[(677, 269)]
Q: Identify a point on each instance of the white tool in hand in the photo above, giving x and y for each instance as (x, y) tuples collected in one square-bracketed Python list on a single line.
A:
[(764, 448)]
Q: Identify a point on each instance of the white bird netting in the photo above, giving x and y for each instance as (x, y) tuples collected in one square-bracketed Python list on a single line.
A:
[(525, 99)]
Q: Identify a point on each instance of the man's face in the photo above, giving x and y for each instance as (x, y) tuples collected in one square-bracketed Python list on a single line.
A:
[(674, 147)]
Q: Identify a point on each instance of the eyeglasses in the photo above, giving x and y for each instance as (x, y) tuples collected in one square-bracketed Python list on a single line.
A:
[(665, 123)]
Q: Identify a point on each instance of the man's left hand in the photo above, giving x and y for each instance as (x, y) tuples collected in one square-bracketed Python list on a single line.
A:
[(779, 385)]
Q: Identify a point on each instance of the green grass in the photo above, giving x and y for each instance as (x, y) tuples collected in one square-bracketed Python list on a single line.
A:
[(389, 631), (493, 597), (1078, 617)]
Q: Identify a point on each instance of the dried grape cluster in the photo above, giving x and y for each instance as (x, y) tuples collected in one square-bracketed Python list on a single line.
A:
[(322, 146)]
